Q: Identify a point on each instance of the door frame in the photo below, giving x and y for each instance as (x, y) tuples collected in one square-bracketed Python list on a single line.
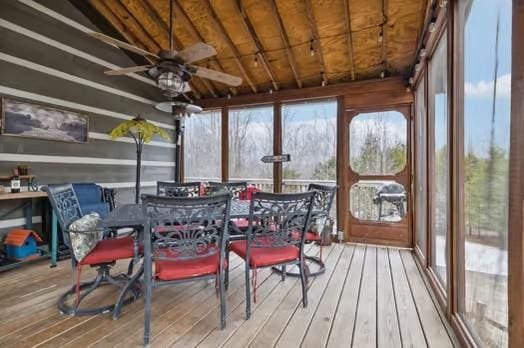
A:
[(399, 234)]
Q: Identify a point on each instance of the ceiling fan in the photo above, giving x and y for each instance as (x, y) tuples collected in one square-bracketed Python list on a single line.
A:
[(172, 69)]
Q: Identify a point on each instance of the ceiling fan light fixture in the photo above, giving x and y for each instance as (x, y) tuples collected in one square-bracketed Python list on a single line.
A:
[(170, 82)]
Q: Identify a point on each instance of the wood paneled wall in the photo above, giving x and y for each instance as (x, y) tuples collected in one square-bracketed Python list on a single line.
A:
[(47, 58)]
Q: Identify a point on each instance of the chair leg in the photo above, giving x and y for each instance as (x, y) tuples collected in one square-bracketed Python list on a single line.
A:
[(222, 286), (226, 270), (130, 267), (147, 313), (283, 273), (121, 297), (303, 280), (248, 292)]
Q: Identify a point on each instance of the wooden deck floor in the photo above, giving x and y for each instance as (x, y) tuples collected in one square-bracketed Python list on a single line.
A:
[(369, 297)]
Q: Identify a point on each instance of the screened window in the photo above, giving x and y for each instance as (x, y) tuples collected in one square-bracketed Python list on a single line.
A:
[(421, 166), (378, 143), (251, 138), (487, 80), (202, 147), (439, 162), (309, 136)]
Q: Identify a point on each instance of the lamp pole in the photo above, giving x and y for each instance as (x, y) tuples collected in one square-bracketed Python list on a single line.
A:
[(139, 141)]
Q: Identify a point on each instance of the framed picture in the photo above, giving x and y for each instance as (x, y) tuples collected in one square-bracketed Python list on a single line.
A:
[(25, 119)]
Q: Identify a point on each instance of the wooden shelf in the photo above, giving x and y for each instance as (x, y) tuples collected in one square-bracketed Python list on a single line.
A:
[(22, 195), (22, 177)]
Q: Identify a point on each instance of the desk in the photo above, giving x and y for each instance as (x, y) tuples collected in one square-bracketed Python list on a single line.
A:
[(28, 207)]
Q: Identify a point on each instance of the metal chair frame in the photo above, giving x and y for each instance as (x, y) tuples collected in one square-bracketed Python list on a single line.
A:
[(201, 231), (277, 218), (235, 187), (65, 203), (176, 189), (322, 203)]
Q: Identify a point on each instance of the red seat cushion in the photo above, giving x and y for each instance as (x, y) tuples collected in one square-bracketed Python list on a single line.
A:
[(241, 223), (183, 269), (313, 237), (108, 250), (261, 257)]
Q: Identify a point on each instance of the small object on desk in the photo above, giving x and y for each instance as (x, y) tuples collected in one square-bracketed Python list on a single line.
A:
[(15, 182), (2, 190)]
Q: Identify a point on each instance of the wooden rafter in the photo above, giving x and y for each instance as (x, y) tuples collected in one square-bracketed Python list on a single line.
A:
[(316, 38), (260, 49), (285, 41), (164, 28), (384, 36), (102, 8), (223, 34), (347, 14), (180, 14)]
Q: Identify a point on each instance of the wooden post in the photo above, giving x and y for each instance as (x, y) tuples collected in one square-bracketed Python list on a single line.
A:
[(516, 183), (224, 128), (342, 165), (277, 146)]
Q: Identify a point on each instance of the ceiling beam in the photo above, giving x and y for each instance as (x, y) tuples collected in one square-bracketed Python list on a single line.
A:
[(392, 89), (383, 29), (164, 28), (285, 42), (181, 14), (225, 37), (316, 38), (347, 13), (260, 49)]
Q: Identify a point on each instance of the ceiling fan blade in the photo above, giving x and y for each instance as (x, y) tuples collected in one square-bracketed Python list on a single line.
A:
[(217, 76), (187, 88), (125, 71), (197, 52), (121, 44)]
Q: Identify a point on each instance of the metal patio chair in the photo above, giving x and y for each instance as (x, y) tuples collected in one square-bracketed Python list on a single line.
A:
[(176, 189), (106, 252), (235, 187), (321, 214), (275, 236), (185, 239)]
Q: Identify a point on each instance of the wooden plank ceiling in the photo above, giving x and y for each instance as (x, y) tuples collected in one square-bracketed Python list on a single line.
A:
[(279, 44)]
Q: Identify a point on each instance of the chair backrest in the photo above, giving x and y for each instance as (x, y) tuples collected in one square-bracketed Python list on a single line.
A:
[(66, 206), (324, 197), (91, 198), (279, 219), (185, 228), (235, 187), (175, 189)]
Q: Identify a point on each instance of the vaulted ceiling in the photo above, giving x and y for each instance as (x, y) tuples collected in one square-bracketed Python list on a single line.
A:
[(279, 44)]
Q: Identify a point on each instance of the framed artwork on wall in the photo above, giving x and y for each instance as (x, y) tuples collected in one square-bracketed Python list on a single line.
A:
[(25, 119)]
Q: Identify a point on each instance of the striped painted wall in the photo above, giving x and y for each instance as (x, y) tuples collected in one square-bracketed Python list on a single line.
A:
[(46, 57)]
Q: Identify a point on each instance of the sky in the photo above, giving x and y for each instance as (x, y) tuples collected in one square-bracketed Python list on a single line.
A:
[(479, 62)]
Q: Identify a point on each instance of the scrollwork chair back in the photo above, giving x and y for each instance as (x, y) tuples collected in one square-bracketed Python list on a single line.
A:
[(279, 220), (185, 228), (236, 188), (173, 189), (65, 204)]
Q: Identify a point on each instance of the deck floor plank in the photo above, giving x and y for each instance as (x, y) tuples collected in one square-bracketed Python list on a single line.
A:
[(388, 331), (369, 297), (365, 333), (410, 327)]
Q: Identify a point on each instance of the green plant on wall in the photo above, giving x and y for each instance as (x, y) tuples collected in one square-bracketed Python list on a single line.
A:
[(142, 132)]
